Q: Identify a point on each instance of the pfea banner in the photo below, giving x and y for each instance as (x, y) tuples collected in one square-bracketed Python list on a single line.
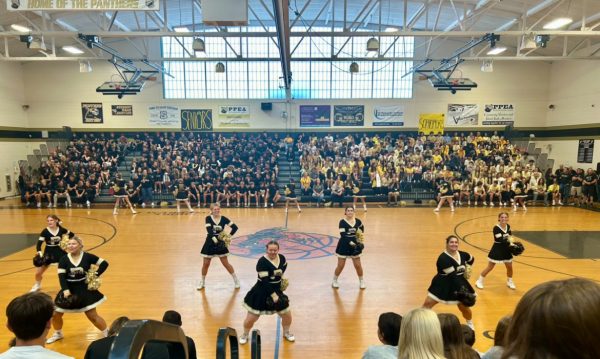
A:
[(498, 115), (234, 111)]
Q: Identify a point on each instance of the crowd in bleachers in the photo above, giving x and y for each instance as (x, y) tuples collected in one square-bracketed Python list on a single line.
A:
[(242, 169)]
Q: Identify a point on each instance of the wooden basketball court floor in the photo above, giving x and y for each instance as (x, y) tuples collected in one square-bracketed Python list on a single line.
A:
[(155, 266)]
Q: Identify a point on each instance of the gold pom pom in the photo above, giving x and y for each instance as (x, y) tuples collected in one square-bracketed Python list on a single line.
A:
[(403, 203), (360, 236), (225, 237), (284, 284), (287, 191), (92, 279), (432, 202), (468, 271), (355, 190), (63, 242)]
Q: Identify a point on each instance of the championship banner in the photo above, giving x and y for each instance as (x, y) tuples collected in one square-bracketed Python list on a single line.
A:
[(462, 115), (92, 112), (431, 123), (499, 115), (122, 110), (388, 116), (315, 116), (349, 115), (71, 5), (241, 111), (585, 151), (166, 116), (196, 120)]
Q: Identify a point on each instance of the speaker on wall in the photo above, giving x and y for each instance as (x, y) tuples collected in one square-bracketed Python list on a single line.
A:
[(266, 106)]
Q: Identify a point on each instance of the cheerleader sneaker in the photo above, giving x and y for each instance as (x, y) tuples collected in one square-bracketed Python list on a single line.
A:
[(471, 325), (289, 337), (54, 338), (436, 210), (511, 284), (479, 283), (362, 284), (335, 284), (236, 283), (200, 285), (35, 288), (243, 339)]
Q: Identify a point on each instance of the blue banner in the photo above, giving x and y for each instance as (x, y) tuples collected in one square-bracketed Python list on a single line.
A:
[(349, 115), (315, 116)]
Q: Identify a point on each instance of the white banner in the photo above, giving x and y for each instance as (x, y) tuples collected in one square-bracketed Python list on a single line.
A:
[(388, 116), (166, 116), (234, 111), (462, 115), (499, 115), (66, 5)]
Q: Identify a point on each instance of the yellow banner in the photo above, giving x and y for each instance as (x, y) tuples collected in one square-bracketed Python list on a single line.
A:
[(431, 123)]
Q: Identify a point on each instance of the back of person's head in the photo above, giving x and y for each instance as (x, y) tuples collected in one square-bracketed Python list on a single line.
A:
[(420, 335), (172, 317), (116, 326), (28, 315), (500, 332), (468, 334), (454, 341), (389, 328), (555, 320)]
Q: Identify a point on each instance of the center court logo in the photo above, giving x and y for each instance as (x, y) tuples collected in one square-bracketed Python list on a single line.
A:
[(293, 245)]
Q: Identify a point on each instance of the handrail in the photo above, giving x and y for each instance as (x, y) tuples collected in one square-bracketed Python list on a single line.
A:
[(255, 344), (135, 334), (227, 335)]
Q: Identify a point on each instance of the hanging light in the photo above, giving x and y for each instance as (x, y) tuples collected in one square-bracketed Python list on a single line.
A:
[(354, 67), (373, 44), (220, 68), (496, 50), (198, 45), (558, 23), (528, 42)]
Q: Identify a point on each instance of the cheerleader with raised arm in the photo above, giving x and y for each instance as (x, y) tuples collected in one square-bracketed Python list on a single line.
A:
[(445, 195), (51, 236), (450, 284), (500, 252), (266, 296), (216, 244), (120, 194), (78, 273), (350, 245)]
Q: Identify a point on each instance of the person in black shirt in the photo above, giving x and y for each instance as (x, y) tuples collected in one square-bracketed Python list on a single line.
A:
[(589, 186), (60, 191), (43, 191), (146, 182), (576, 183), (30, 190)]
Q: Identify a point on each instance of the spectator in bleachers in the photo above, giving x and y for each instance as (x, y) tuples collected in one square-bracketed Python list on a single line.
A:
[(556, 319), (29, 317), (174, 318), (496, 351), (318, 192), (454, 341), (388, 332), (420, 336)]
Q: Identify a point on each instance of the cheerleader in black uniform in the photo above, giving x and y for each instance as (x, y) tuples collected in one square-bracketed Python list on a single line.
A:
[(289, 195), (357, 193), (74, 296), (182, 194), (519, 191), (215, 247), (266, 296), (445, 195), (349, 247), (450, 279), (51, 236), (500, 252), (121, 194)]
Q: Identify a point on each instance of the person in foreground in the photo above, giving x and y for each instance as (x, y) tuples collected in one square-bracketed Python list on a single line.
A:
[(420, 336), (29, 317), (388, 331)]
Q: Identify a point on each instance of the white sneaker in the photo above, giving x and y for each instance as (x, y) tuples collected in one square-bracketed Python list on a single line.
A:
[(200, 286), (491, 204), (335, 284), (362, 285), (452, 209), (471, 325), (87, 203), (35, 288), (115, 212), (525, 208), (143, 204), (236, 283), (514, 208), (511, 284), (54, 338), (289, 337), (436, 210), (243, 339), (479, 284)]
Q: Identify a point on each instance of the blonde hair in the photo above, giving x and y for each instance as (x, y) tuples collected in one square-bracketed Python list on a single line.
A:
[(420, 336)]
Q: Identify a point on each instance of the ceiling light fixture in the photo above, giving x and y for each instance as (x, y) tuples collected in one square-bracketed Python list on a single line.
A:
[(20, 28), (198, 45), (220, 68), (373, 44), (496, 50), (558, 23), (528, 42), (181, 29), (354, 68), (72, 50), (37, 43)]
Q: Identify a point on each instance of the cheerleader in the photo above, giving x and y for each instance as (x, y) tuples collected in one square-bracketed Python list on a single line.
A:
[(349, 247), (500, 252), (445, 195), (121, 194), (182, 194), (75, 295), (214, 246), (51, 236), (290, 195), (519, 192), (357, 193), (450, 283), (266, 296)]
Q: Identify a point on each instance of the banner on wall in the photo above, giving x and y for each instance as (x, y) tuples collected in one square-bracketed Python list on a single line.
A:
[(388, 116), (236, 111), (499, 115), (431, 123), (92, 112), (122, 110), (349, 115), (196, 120), (78, 5), (234, 123), (462, 115), (585, 151), (167, 116), (315, 116)]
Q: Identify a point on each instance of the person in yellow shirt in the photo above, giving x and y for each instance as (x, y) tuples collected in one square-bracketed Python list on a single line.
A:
[(305, 184), (554, 191)]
